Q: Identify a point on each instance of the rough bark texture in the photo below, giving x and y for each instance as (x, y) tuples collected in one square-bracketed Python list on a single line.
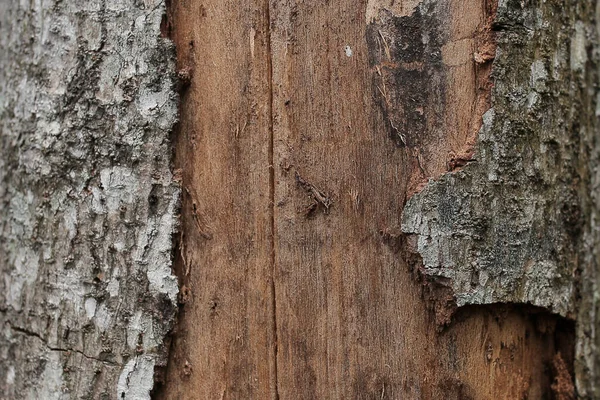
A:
[(507, 227), (87, 198), (517, 224), (585, 60)]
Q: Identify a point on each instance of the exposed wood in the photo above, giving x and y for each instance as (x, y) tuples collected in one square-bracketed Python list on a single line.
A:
[(225, 344), (291, 150)]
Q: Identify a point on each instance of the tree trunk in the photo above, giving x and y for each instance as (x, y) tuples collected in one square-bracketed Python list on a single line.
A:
[(379, 199)]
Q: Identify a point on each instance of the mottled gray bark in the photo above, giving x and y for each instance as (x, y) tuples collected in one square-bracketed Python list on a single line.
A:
[(87, 198), (519, 223)]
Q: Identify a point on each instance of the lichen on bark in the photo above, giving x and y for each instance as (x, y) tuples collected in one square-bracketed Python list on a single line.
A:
[(517, 224), (88, 199), (506, 227)]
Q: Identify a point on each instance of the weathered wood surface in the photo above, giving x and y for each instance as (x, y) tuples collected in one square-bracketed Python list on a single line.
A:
[(225, 344), (87, 198), (322, 119)]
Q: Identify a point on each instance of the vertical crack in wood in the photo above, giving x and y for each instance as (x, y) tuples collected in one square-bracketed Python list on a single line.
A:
[(272, 196)]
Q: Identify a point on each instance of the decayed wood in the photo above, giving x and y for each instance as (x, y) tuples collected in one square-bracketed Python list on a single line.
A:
[(305, 128)]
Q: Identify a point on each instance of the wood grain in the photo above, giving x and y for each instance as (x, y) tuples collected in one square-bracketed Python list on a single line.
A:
[(224, 347), (301, 285)]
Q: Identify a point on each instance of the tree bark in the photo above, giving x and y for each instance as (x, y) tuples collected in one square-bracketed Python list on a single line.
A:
[(379, 199), (88, 198)]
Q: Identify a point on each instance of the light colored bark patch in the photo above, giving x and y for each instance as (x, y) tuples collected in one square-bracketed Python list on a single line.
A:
[(88, 202)]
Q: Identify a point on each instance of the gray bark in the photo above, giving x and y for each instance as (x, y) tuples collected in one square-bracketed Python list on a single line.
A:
[(88, 199), (519, 224), (506, 227)]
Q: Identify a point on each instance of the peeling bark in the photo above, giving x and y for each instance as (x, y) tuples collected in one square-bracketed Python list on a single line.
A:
[(506, 228), (519, 224), (88, 199)]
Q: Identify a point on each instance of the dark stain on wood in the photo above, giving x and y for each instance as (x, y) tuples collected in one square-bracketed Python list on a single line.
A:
[(405, 58)]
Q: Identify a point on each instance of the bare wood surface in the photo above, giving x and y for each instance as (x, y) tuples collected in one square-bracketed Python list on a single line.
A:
[(291, 150), (224, 347)]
